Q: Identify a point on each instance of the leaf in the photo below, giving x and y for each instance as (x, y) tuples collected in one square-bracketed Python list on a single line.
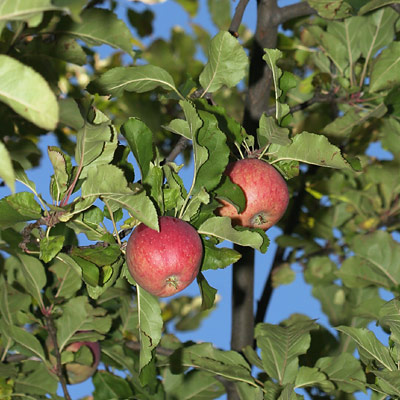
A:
[(192, 117), (227, 63), (140, 140), (28, 342), (62, 172), (34, 276), (331, 9), (207, 292), (30, 12), (216, 257), (280, 347), (100, 256), (342, 126), (201, 197), (374, 4), (210, 167), (89, 271), (6, 168), (389, 315), (74, 315), (91, 144), (386, 71), (283, 275), (108, 182), (310, 148), (139, 79), (19, 85), (269, 132), (388, 381), (150, 325), (99, 26), (70, 114), (369, 347), (109, 386), (312, 377), (382, 251), (228, 364), (50, 247), (344, 371), (221, 228), (69, 281), (220, 12), (232, 193)]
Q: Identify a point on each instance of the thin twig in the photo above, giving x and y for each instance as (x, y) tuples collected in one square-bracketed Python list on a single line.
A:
[(297, 10), (178, 148), (58, 367), (237, 18)]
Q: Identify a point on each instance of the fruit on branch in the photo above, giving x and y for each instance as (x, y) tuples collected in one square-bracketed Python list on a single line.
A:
[(265, 190), (166, 262), (77, 372)]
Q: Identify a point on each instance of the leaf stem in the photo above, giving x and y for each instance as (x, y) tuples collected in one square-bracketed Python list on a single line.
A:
[(113, 222)]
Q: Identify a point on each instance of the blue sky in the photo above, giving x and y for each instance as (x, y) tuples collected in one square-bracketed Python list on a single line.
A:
[(286, 300)]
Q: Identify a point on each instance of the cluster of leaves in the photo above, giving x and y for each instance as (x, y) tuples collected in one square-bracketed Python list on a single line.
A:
[(51, 283)]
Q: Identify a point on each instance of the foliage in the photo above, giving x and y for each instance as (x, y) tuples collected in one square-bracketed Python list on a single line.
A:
[(336, 82)]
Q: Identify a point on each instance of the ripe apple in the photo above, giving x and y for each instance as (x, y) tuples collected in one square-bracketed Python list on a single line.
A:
[(265, 190), (164, 263), (76, 372)]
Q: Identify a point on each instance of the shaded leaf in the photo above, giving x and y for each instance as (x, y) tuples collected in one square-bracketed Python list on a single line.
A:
[(6, 167), (269, 132), (109, 386), (217, 257), (207, 292), (50, 247)]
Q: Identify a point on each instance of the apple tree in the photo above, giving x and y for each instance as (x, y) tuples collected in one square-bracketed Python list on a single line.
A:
[(310, 88)]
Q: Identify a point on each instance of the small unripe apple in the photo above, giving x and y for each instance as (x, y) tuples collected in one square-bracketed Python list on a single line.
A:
[(76, 372), (166, 262), (265, 191)]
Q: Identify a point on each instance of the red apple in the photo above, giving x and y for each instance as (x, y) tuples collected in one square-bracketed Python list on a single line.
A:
[(164, 263), (77, 372), (265, 190)]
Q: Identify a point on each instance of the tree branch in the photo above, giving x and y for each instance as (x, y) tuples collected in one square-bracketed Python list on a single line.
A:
[(58, 367), (297, 10), (237, 17)]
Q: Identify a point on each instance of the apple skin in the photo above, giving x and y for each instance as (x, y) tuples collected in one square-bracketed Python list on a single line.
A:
[(78, 373), (266, 193), (166, 262)]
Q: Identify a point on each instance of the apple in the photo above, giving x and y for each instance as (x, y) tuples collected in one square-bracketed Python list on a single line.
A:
[(166, 262), (266, 193), (76, 372)]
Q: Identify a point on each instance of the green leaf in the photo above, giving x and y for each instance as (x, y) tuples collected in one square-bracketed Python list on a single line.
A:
[(216, 257), (90, 272), (109, 386), (201, 197), (100, 256), (98, 27), (283, 275), (280, 347), (30, 12), (389, 382), (220, 12), (221, 228), (95, 144), (374, 4), (232, 193), (29, 343), (34, 276), (74, 7), (269, 132), (69, 281), (74, 315), (6, 168), (382, 251), (150, 325), (271, 57), (310, 148), (331, 9), (62, 172), (344, 371), (50, 247), (192, 117), (369, 347), (389, 316), (341, 127), (227, 63), (142, 78), (70, 114), (210, 166), (207, 292), (19, 85), (108, 182), (140, 140), (386, 71), (312, 377)]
